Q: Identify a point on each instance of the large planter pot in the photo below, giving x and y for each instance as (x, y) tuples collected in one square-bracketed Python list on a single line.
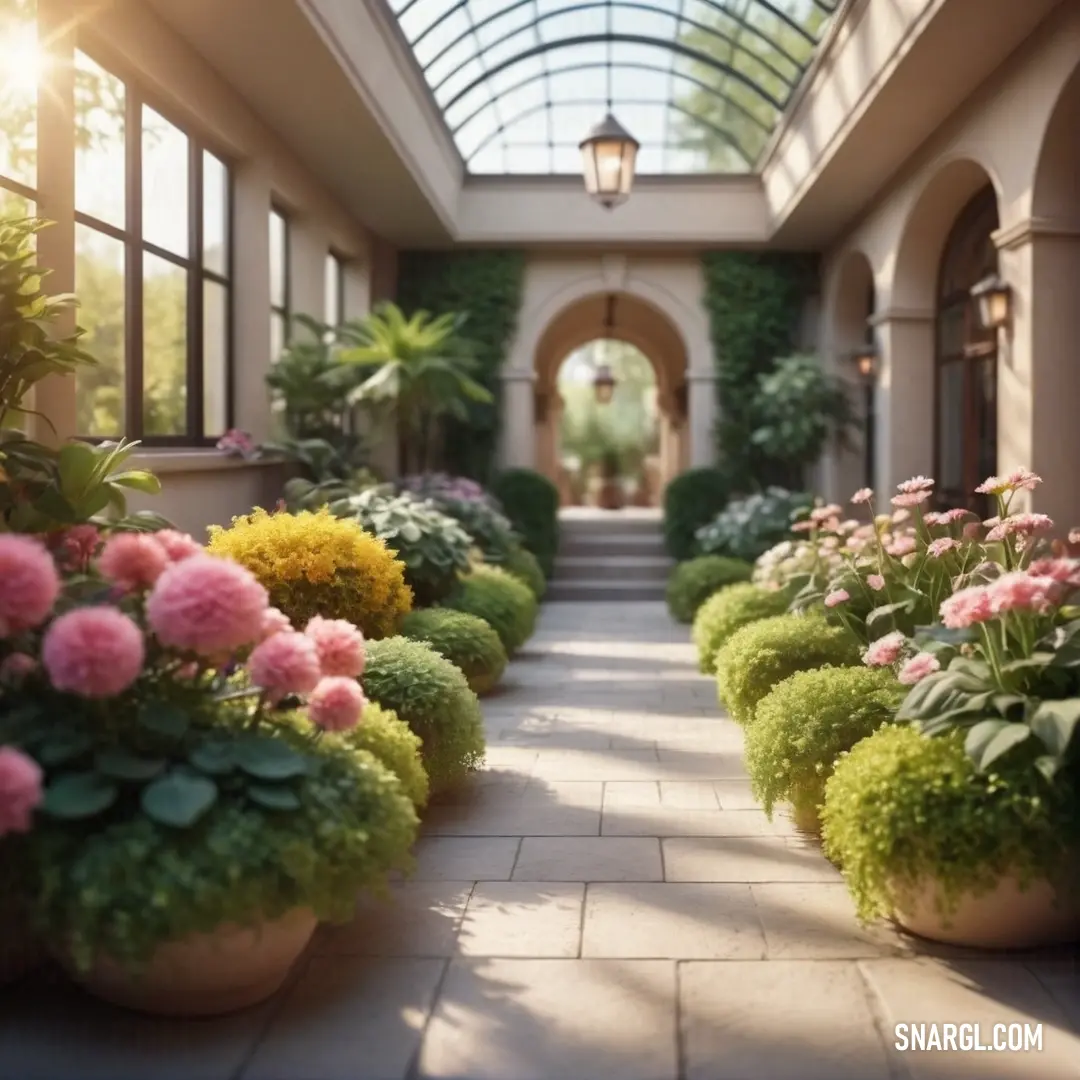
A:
[(231, 968), (1006, 917)]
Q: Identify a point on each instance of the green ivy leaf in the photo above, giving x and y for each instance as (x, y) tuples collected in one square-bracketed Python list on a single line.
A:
[(273, 798), (1054, 724), (164, 718), (64, 746), (74, 796), (216, 758), (268, 758), (178, 799)]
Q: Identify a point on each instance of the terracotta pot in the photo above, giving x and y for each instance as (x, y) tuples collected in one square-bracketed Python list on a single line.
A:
[(1004, 918), (206, 974)]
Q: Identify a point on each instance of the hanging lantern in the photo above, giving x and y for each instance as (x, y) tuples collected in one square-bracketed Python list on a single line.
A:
[(608, 154), (994, 299), (603, 384)]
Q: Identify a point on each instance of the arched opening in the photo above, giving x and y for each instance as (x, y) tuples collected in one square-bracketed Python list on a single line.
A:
[(628, 322), (965, 358), (609, 442)]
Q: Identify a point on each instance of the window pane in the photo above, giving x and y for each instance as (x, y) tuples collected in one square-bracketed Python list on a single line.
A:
[(279, 254), (277, 335), (164, 183), (984, 375), (951, 430), (99, 284), (100, 174), (215, 214), (332, 289), (164, 347), (215, 358), (20, 66)]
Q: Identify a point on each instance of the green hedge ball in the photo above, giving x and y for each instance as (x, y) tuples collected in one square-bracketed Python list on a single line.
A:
[(468, 642)]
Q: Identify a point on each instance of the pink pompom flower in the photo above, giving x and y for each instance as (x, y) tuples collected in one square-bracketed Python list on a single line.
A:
[(16, 667), (863, 495), (911, 498), (20, 790), (1018, 524), (285, 663), (274, 622), (993, 485), (966, 608), (1021, 591), (876, 582), (901, 546), (340, 646), (207, 605), (29, 584), (336, 703), (132, 561), (937, 548), (918, 667), (1023, 479), (915, 484), (95, 652), (178, 545), (74, 547), (886, 650), (837, 597)]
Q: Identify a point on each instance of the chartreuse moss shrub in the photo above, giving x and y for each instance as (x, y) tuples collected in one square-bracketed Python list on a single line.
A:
[(691, 500), (531, 502), (727, 610), (465, 640), (757, 657), (126, 887), (433, 698), (319, 564), (692, 583), (503, 602), (902, 808), (805, 722), (523, 565), (390, 740)]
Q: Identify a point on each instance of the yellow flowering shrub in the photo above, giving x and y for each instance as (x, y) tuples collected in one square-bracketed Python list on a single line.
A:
[(318, 564)]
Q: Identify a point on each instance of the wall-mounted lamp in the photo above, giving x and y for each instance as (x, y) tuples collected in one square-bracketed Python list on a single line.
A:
[(865, 361), (993, 297)]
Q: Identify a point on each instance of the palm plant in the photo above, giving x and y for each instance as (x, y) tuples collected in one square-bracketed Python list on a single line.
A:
[(423, 368)]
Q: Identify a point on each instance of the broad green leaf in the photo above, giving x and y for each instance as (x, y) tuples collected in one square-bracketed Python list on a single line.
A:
[(1001, 742), (120, 764), (76, 463), (1048, 766), (164, 719), (64, 746), (74, 796), (977, 670), (1054, 723), (273, 798), (216, 758), (139, 480), (268, 758), (178, 799)]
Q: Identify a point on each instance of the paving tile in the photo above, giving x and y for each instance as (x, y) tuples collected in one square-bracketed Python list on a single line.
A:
[(553, 1020), (757, 858), (690, 795), (598, 765), (349, 1019), (984, 992), (669, 921), (418, 918), (693, 765), (580, 858), (465, 858), (735, 795), (780, 1019), (666, 821), (1061, 977), (520, 918)]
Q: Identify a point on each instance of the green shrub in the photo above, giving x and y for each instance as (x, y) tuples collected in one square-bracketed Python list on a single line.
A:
[(692, 583), (804, 723), (901, 808), (755, 658), (503, 602), (691, 500), (433, 698), (746, 528), (729, 609), (389, 740), (491, 531), (525, 566), (531, 502), (468, 642)]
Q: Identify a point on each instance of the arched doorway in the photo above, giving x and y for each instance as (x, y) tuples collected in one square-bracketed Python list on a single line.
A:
[(618, 317), (966, 355)]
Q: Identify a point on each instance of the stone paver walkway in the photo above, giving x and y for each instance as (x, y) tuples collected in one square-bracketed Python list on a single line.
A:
[(606, 902)]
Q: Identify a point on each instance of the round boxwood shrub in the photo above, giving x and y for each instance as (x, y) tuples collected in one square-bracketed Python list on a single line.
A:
[(319, 564), (902, 808), (503, 602), (389, 740), (433, 698), (524, 566), (727, 610), (757, 657), (692, 583), (531, 502), (691, 500), (805, 722), (465, 640)]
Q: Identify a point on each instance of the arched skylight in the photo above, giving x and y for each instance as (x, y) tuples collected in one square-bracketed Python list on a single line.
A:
[(700, 83)]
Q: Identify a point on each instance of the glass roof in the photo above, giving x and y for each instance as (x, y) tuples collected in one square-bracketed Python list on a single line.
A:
[(700, 83)]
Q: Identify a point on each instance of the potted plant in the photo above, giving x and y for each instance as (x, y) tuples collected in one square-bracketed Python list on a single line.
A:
[(610, 494), (178, 820)]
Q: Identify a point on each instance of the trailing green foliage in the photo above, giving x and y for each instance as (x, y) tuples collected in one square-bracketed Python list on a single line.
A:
[(531, 502), (490, 530), (432, 696), (468, 642), (486, 287), (524, 565), (746, 528), (754, 301), (902, 809), (502, 601), (390, 741), (692, 583), (725, 611), (691, 500), (805, 722), (757, 657)]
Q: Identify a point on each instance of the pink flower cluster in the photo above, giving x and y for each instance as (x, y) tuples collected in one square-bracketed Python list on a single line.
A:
[(30, 584), (20, 790), (918, 667), (886, 650), (1019, 591), (237, 443)]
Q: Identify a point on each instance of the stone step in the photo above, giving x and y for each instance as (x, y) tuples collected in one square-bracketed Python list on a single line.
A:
[(615, 525), (562, 590), (642, 545), (636, 570)]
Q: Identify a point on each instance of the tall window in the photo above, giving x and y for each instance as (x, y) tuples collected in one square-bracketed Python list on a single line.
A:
[(19, 70), (334, 290), (152, 269), (279, 283)]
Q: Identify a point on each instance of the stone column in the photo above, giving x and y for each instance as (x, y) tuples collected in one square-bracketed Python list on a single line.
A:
[(904, 444), (517, 437), (701, 386)]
